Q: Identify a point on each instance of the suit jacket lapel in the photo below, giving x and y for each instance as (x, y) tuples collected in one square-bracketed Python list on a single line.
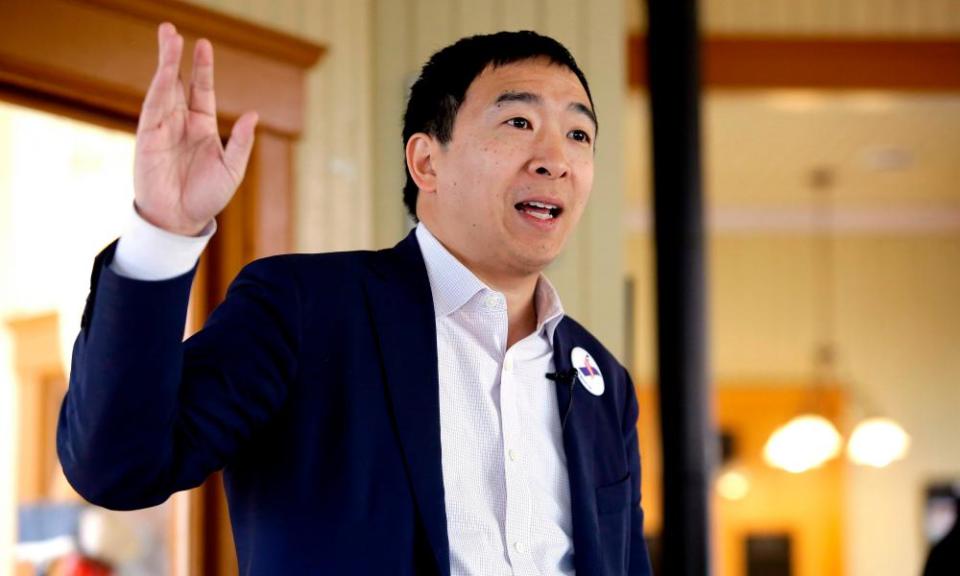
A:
[(402, 306), (578, 434)]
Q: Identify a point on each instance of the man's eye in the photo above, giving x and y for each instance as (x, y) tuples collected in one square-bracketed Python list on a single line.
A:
[(580, 136), (521, 123)]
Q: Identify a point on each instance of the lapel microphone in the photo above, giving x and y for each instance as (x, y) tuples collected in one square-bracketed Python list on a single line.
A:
[(568, 377)]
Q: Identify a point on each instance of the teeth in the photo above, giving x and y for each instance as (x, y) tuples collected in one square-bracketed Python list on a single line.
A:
[(539, 210), (541, 205)]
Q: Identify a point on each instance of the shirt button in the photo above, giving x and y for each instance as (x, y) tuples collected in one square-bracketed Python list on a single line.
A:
[(491, 301), (513, 455), (519, 547)]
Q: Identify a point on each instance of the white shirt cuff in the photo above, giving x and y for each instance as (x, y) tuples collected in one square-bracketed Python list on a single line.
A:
[(146, 252)]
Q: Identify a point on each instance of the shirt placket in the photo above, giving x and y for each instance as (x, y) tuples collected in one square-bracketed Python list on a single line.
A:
[(519, 509)]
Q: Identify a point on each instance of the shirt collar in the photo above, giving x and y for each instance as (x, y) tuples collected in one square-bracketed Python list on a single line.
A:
[(453, 284)]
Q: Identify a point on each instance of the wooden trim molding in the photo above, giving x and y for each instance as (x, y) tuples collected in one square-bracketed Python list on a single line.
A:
[(811, 62), (223, 30), (101, 54)]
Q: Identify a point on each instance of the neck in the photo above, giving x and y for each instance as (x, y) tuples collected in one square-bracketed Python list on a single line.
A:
[(517, 288), (521, 306)]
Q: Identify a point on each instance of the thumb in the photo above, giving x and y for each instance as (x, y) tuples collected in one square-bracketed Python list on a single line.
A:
[(237, 153)]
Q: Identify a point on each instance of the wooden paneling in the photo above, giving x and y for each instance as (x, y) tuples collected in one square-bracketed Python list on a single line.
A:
[(824, 63), (393, 73), (475, 17), (520, 14), (334, 169)]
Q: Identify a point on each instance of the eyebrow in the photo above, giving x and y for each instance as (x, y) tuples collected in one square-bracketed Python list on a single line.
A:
[(531, 98)]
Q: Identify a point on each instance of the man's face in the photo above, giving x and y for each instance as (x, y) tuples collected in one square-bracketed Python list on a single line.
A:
[(515, 177)]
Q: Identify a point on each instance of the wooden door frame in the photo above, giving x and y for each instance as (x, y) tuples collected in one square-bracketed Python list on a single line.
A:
[(93, 60)]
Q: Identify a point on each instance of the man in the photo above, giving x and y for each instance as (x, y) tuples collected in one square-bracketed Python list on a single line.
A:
[(426, 409), (944, 556)]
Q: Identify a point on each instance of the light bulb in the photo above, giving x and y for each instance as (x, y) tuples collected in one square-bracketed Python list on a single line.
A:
[(803, 443), (732, 484), (877, 442)]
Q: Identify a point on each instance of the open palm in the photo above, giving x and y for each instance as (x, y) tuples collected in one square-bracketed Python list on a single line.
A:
[(183, 176)]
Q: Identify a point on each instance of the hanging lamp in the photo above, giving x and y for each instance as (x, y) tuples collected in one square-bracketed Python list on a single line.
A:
[(810, 439)]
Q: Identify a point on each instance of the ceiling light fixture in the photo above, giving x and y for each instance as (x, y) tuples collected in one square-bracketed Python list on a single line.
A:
[(810, 439)]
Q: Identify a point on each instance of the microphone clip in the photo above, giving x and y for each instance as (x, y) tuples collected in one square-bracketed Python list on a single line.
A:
[(568, 377), (563, 376)]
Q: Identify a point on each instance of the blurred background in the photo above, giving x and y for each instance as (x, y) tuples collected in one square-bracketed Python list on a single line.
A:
[(831, 148)]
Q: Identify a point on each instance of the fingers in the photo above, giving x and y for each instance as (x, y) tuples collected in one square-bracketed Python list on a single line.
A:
[(202, 98), (162, 95), (238, 149), (181, 100)]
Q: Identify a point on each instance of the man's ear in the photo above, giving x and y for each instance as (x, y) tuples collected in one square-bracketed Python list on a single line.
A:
[(420, 152)]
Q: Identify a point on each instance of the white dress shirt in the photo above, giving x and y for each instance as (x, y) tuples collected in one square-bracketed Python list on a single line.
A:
[(504, 467)]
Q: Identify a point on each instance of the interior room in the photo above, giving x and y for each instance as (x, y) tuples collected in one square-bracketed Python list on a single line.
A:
[(831, 233)]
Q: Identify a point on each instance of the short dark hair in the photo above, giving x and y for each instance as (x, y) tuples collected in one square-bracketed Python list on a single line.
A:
[(439, 91)]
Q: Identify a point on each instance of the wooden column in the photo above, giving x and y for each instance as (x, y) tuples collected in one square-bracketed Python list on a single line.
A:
[(685, 395)]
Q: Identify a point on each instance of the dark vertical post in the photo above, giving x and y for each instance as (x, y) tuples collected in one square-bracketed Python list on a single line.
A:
[(674, 83)]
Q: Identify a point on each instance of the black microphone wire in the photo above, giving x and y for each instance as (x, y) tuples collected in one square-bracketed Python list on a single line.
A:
[(570, 377)]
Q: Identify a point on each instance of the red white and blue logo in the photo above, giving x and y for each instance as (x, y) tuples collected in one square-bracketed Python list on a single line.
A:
[(587, 371)]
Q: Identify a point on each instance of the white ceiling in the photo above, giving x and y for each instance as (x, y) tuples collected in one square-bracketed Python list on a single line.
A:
[(890, 157)]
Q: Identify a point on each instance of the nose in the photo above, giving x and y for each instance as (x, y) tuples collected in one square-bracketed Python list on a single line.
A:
[(550, 158)]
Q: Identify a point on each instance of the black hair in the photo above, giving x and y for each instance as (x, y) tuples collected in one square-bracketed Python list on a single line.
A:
[(440, 89)]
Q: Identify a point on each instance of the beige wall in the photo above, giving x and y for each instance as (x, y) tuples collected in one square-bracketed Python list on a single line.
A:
[(900, 332), (334, 173), (898, 326)]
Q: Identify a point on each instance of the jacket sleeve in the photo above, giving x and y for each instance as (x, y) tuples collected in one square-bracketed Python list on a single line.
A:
[(146, 414), (639, 561)]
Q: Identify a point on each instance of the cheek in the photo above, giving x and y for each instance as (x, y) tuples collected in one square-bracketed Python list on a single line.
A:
[(584, 181)]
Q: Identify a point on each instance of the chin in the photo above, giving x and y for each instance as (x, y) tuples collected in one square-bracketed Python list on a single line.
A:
[(534, 263)]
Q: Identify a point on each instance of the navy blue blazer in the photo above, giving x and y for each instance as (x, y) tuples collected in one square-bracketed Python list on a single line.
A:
[(314, 387)]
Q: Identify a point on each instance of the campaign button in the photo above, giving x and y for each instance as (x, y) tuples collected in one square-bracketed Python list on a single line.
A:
[(587, 371)]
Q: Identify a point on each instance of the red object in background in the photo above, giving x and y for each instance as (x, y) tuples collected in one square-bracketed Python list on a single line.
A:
[(76, 565)]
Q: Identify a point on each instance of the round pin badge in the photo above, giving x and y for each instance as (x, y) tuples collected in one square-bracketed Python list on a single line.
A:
[(587, 371)]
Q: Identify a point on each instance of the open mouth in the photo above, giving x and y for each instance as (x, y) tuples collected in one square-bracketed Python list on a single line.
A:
[(539, 210)]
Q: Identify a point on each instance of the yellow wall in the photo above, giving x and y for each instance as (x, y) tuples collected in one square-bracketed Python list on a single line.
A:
[(807, 507), (900, 333)]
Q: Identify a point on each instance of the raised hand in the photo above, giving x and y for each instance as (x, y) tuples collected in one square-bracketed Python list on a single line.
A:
[(183, 176)]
